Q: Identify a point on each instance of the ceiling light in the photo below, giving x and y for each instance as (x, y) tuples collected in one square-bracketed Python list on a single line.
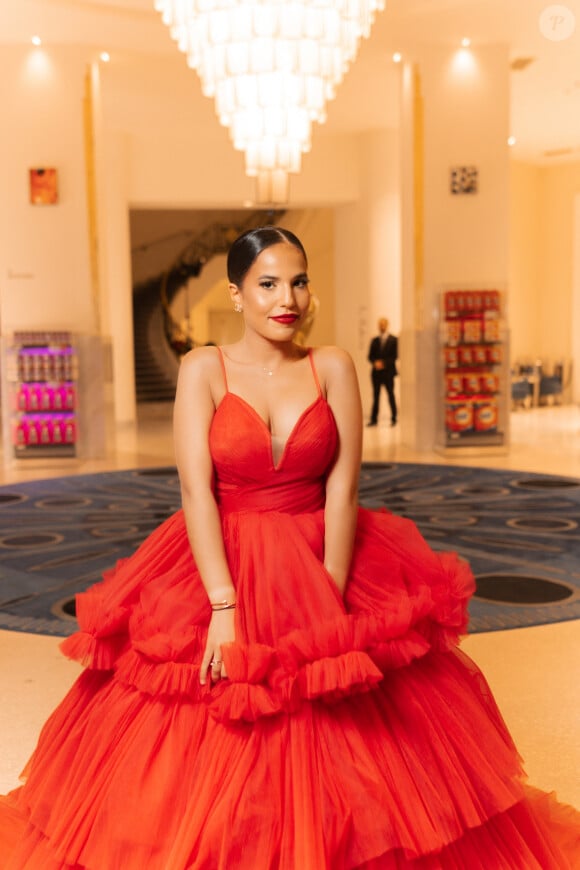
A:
[(397, 57), (271, 66), (511, 141), (466, 42), (36, 40), (105, 56)]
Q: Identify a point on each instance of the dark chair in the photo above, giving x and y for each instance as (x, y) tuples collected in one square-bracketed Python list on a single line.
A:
[(521, 392), (550, 388)]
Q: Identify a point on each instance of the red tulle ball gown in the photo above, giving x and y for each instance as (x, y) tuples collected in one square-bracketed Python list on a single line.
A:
[(350, 734)]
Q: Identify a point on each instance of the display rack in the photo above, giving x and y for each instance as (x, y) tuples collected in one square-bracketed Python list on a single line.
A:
[(474, 368), (41, 398)]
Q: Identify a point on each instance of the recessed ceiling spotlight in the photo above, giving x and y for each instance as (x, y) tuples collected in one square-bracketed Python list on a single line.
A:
[(36, 40), (397, 57), (511, 141), (105, 56), (466, 42)]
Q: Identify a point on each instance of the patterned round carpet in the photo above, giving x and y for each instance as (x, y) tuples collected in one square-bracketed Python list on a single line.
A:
[(519, 531)]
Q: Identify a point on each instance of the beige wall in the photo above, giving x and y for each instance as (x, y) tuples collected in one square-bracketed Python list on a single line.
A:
[(524, 275), (45, 277), (558, 187), (542, 249)]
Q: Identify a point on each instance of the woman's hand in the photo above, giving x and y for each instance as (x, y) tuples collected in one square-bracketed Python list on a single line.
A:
[(220, 631)]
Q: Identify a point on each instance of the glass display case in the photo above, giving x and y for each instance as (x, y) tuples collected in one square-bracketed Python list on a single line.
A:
[(474, 368), (40, 395)]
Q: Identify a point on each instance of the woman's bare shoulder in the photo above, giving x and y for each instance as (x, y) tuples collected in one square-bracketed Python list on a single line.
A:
[(200, 362), (332, 360)]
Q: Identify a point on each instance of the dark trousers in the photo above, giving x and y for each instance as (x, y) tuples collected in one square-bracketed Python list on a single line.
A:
[(382, 379)]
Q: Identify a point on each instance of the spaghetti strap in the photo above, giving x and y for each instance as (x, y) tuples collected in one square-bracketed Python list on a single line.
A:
[(223, 365), (314, 372)]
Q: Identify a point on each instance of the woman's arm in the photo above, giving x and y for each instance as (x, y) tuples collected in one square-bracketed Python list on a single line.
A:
[(340, 514), (193, 413)]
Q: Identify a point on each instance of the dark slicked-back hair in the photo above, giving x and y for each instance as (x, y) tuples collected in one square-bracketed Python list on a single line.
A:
[(250, 244)]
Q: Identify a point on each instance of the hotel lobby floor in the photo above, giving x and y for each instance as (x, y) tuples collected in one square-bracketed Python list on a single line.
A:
[(533, 672)]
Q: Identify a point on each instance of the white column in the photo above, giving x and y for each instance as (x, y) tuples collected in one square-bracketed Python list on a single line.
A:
[(111, 161), (575, 319), (455, 112), (367, 252)]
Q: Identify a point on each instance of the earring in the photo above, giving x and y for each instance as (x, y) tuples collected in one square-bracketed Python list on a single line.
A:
[(237, 307)]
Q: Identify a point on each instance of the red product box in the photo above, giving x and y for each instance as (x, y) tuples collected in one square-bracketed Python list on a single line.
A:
[(472, 331), (452, 332), (451, 356), (471, 383), (450, 302), (471, 301), (458, 415), (489, 382), (491, 300), (485, 415), (477, 301), (494, 354), (454, 383), (460, 301), (491, 329), (466, 355), (479, 352)]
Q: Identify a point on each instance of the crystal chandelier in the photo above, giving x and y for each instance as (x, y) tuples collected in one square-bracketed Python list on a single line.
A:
[(271, 66)]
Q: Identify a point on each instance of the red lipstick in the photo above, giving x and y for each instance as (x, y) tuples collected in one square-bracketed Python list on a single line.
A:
[(286, 318)]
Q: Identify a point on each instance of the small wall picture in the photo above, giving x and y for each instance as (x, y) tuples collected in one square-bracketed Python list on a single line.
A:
[(43, 186), (464, 179)]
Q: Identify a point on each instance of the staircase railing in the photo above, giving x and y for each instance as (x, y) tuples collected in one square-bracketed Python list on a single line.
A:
[(213, 240)]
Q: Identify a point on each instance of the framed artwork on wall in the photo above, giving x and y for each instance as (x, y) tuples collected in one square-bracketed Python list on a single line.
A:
[(463, 179), (43, 186)]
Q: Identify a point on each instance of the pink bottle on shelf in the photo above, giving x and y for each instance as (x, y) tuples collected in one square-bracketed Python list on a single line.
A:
[(34, 398), (33, 434), (23, 398), (57, 430), (44, 431), (20, 434), (70, 430), (59, 399), (70, 397), (47, 399)]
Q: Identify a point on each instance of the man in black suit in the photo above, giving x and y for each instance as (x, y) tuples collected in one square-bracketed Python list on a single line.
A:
[(383, 353)]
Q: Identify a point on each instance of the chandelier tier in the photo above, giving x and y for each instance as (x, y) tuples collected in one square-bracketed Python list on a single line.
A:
[(271, 66)]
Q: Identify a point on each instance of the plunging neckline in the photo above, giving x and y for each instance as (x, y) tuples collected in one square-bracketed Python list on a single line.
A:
[(275, 465)]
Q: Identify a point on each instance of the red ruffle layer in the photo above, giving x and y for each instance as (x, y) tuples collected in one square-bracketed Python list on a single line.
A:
[(348, 734)]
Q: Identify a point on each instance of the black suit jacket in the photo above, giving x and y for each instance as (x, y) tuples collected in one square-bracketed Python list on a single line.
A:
[(388, 353)]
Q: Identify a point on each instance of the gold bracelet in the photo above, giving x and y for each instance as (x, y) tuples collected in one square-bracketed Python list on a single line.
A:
[(223, 605)]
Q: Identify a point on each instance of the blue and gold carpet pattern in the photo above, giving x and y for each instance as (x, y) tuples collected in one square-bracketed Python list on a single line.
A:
[(519, 531)]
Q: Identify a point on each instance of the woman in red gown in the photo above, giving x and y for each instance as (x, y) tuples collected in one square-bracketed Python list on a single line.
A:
[(272, 680)]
